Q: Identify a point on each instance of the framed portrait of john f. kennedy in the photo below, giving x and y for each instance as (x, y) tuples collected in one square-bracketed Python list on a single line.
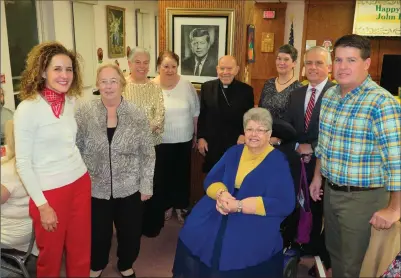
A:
[(115, 31), (200, 37)]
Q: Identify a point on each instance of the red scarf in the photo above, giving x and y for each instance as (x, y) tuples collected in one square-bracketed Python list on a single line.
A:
[(55, 100)]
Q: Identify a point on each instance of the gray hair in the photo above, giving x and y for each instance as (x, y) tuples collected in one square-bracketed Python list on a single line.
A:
[(321, 48), (260, 115), (137, 50)]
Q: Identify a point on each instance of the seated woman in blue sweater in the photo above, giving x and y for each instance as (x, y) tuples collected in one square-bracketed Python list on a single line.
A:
[(234, 231)]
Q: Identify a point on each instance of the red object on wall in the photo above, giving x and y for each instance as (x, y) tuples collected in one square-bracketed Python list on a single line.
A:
[(2, 78), (3, 151), (269, 14)]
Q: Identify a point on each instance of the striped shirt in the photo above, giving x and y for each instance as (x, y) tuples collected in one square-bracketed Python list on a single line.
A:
[(359, 137)]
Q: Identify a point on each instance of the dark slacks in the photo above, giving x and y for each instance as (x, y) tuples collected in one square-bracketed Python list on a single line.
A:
[(153, 209), (126, 213), (175, 174)]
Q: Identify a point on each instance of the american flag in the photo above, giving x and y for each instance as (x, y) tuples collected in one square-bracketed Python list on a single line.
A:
[(291, 39)]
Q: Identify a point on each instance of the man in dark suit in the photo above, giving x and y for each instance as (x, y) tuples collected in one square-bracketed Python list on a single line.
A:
[(303, 114), (201, 62), (223, 104)]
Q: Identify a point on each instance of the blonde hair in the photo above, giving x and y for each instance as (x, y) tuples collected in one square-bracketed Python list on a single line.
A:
[(123, 82), (9, 142), (39, 58)]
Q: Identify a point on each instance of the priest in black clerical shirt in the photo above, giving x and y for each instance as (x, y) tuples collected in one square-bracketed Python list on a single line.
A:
[(223, 104)]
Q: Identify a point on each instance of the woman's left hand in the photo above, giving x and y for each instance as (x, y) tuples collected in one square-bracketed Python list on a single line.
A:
[(145, 197)]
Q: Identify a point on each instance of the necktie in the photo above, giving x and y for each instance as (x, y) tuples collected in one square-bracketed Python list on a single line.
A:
[(197, 73), (309, 108)]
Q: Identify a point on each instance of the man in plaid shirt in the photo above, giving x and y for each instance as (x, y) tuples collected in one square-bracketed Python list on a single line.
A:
[(359, 154)]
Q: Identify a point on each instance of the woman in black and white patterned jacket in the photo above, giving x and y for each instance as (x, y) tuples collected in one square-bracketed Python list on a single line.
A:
[(116, 144)]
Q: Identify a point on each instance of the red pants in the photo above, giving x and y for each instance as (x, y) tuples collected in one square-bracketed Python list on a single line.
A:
[(72, 204)]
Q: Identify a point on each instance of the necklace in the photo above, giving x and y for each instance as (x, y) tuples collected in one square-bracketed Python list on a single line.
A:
[(286, 81)]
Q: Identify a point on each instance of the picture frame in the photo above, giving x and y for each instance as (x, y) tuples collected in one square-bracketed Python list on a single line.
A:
[(199, 37), (115, 19)]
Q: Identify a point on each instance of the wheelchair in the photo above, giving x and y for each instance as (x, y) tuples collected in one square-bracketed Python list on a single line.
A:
[(17, 256)]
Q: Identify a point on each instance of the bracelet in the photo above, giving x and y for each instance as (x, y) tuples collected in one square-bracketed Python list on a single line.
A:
[(221, 192), (239, 206)]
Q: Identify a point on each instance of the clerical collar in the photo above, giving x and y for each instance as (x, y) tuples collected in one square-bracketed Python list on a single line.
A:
[(225, 86)]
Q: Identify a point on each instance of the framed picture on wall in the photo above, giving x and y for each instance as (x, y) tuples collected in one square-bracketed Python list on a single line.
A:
[(200, 37), (115, 31)]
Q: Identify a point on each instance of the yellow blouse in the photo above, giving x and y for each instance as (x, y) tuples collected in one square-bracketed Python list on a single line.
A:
[(149, 97), (248, 162)]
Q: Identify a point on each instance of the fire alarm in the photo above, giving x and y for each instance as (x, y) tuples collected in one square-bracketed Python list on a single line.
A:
[(269, 14)]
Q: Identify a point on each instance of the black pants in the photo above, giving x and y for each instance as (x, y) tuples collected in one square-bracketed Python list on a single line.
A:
[(317, 224), (153, 214), (175, 171), (126, 213)]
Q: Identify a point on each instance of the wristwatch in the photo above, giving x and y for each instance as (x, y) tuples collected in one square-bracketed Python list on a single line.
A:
[(239, 206), (278, 142)]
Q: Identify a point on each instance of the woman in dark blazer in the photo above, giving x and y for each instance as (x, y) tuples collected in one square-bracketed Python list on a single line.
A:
[(234, 231)]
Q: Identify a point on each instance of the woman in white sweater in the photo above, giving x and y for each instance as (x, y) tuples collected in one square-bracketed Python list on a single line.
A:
[(181, 115), (49, 163)]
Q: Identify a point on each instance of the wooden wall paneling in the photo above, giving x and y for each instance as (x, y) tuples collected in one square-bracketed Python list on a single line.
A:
[(265, 63), (327, 20), (331, 19), (249, 11), (375, 60)]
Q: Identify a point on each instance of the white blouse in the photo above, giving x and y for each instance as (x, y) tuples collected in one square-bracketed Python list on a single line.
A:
[(181, 106)]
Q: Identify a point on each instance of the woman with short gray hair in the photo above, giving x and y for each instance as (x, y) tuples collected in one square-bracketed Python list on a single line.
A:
[(234, 231), (259, 115)]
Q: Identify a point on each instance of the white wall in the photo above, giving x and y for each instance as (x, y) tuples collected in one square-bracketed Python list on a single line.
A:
[(5, 67), (295, 10), (63, 28), (101, 29), (55, 23)]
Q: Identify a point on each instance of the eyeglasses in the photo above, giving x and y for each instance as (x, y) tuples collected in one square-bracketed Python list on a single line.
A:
[(258, 131), (105, 82)]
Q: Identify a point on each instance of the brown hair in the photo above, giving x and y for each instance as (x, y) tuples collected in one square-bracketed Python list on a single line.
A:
[(123, 82), (356, 41), (290, 50), (39, 58), (167, 54)]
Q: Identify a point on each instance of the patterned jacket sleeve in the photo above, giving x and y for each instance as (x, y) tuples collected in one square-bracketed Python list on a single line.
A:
[(79, 117), (158, 120), (147, 154)]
